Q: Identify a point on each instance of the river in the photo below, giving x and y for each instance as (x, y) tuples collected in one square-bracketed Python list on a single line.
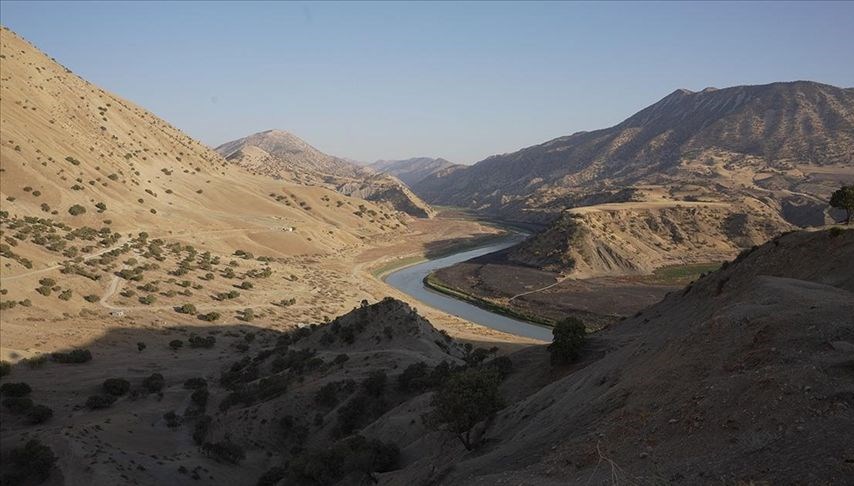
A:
[(410, 280)]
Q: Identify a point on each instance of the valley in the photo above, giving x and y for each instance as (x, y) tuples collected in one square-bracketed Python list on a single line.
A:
[(667, 300)]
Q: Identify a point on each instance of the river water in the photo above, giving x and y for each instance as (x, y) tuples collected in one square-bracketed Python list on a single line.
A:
[(410, 280)]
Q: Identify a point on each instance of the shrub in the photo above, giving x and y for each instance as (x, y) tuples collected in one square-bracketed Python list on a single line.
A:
[(39, 414), (465, 399), (202, 342), (18, 404), (73, 356), (154, 383), (36, 361), (374, 384), (30, 463), (116, 386), (210, 316), (200, 397), (15, 389), (172, 419), (502, 364), (355, 456), (327, 396), (200, 430), (569, 336), (186, 309), (225, 451), (5, 368), (92, 298), (176, 344), (147, 299), (96, 402), (140, 346), (76, 210), (416, 377)]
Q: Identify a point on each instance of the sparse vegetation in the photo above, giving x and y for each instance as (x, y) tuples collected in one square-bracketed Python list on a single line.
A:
[(73, 356)]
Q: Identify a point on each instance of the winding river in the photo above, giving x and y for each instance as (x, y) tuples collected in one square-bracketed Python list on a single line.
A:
[(410, 280)]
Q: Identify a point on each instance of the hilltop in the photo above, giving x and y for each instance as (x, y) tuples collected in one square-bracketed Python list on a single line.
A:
[(282, 155)]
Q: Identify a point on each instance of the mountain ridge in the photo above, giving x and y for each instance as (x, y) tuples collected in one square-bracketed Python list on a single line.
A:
[(282, 155)]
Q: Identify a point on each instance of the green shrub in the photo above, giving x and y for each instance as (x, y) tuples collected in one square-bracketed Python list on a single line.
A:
[(176, 344), (147, 299), (73, 356), (202, 341), (29, 464), (76, 210), (374, 384), (355, 457), (116, 386), (154, 383), (18, 404), (5, 368), (15, 389), (200, 430), (39, 414), (186, 309), (464, 400), (97, 402), (569, 337)]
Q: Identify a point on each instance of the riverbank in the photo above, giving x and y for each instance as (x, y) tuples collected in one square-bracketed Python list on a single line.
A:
[(433, 283)]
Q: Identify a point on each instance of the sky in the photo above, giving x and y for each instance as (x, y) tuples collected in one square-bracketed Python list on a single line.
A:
[(459, 80)]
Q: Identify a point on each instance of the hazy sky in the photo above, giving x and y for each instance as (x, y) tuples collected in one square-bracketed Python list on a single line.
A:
[(456, 80)]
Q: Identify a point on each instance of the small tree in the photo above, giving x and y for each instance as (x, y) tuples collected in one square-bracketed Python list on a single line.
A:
[(466, 399), (569, 335), (844, 199)]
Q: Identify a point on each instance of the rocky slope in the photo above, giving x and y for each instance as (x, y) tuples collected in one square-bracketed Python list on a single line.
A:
[(744, 376), (282, 155), (414, 170)]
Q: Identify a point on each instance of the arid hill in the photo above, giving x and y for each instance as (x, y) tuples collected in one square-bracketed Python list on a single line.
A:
[(107, 208), (785, 144), (282, 155), (414, 170), (749, 161)]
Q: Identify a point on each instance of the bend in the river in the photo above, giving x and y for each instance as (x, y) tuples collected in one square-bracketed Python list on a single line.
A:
[(410, 280)]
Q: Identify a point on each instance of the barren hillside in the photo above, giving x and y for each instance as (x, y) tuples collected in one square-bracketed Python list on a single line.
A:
[(785, 144), (743, 376), (414, 170), (282, 155)]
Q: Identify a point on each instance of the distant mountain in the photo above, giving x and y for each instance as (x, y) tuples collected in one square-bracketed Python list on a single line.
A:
[(787, 144), (283, 155), (277, 152), (414, 170)]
